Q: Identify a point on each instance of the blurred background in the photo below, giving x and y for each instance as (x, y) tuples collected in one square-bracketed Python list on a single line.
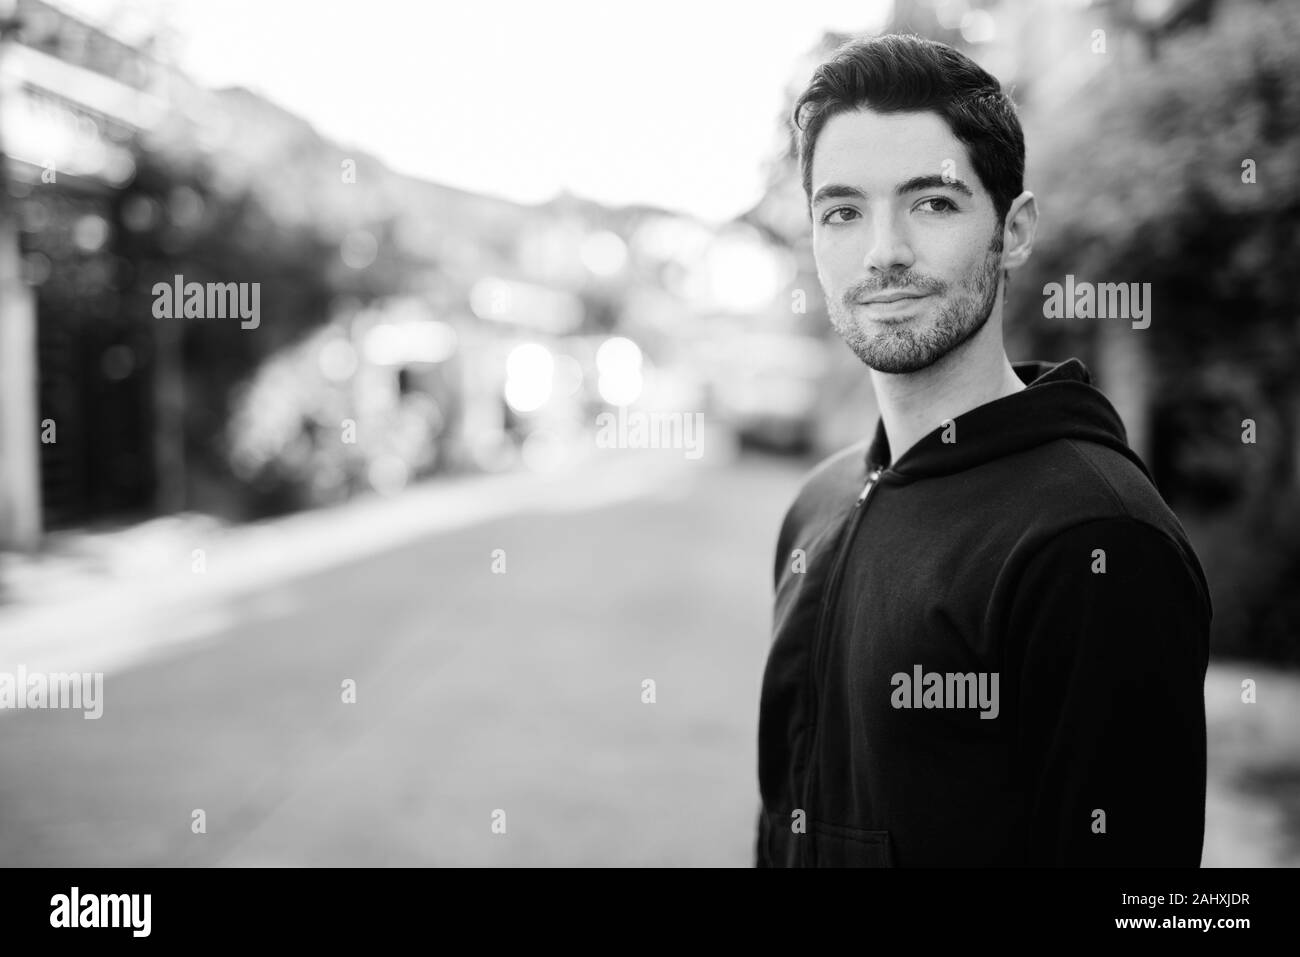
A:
[(474, 234)]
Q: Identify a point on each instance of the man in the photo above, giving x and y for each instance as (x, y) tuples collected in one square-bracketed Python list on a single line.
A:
[(990, 632)]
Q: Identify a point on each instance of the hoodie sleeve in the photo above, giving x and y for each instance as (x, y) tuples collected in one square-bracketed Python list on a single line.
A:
[(1112, 625)]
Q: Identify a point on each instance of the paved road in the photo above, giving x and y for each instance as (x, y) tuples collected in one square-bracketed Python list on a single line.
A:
[(475, 692)]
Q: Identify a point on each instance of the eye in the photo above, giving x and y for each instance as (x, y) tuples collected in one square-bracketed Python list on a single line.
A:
[(826, 218), (946, 205)]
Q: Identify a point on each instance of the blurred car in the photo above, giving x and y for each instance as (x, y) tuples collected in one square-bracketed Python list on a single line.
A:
[(766, 386)]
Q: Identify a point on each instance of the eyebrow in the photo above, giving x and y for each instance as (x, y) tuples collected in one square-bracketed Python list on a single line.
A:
[(913, 185)]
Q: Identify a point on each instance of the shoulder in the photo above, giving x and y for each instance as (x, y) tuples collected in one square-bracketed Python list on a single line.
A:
[(827, 483), (846, 465), (1089, 507), (822, 491), (1069, 481)]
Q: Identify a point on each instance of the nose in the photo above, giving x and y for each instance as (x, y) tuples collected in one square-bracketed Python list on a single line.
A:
[(890, 246)]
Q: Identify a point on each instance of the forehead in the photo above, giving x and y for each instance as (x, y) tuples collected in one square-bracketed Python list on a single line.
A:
[(880, 150)]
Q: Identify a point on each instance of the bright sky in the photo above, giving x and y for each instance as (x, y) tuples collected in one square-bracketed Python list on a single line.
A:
[(673, 102)]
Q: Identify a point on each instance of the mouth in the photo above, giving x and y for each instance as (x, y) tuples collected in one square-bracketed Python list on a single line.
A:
[(890, 298), (893, 307)]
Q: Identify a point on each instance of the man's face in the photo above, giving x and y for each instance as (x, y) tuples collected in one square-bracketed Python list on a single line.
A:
[(907, 242)]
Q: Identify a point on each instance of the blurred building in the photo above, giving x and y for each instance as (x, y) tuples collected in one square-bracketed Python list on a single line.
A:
[(121, 172), (77, 436)]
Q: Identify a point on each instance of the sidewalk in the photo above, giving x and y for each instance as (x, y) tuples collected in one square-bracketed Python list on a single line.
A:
[(98, 601), (1253, 791)]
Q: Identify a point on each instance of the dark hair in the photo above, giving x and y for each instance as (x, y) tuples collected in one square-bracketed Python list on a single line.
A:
[(899, 73)]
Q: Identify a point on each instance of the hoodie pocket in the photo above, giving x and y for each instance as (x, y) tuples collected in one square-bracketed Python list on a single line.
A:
[(840, 846)]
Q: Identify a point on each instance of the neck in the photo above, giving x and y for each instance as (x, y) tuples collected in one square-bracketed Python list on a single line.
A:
[(915, 404)]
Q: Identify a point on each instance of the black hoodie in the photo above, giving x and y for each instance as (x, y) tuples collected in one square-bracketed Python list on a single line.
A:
[(989, 652)]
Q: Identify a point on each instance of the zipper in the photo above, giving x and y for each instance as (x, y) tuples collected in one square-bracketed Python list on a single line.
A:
[(830, 596)]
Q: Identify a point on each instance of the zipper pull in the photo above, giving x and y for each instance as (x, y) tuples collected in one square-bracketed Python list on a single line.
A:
[(866, 489)]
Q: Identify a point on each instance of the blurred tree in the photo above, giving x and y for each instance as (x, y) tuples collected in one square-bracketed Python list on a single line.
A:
[(171, 220), (1181, 172), (1149, 181)]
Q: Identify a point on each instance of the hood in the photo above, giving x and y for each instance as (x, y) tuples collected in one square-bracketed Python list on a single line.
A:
[(1059, 402)]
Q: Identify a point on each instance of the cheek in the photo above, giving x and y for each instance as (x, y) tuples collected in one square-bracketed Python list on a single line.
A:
[(836, 262), (956, 263)]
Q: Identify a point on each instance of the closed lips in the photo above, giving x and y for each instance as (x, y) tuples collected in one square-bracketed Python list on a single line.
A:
[(890, 297)]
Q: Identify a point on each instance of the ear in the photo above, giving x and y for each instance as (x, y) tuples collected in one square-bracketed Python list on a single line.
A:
[(1018, 231)]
